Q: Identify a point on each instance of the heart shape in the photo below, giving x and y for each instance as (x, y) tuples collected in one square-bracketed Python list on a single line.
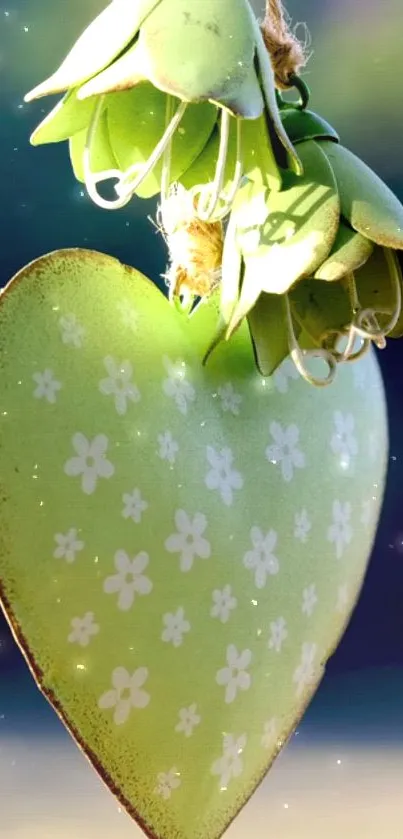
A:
[(181, 546)]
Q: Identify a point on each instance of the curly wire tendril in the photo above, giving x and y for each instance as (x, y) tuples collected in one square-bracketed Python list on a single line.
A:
[(288, 54)]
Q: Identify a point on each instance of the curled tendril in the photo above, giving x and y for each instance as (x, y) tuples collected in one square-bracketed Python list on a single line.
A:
[(299, 356), (212, 194), (128, 182)]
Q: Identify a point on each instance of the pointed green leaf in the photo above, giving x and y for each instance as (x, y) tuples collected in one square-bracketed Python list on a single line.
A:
[(268, 331), (349, 252), (102, 157), (250, 293), (320, 308), (285, 236), (368, 204), (124, 73), (303, 125), (137, 121), (68, 118), (111, 31), (376, 288), (203, 168)]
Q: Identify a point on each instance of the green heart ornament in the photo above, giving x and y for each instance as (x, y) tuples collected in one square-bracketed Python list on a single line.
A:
[(181, 545)]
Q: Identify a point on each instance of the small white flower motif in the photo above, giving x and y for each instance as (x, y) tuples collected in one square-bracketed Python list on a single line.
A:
[(269, 735), (189, 541), (176, 386), (134, 505), (82, 630), (221, 475), (230, 764), (340, 531), (119, 384), (126, 693), (128, 314), (90, 461), (261, 558), (72, 332), (309, 600), (235, 675), (286, 371), (68, 545), (168, 447), (278, 634), (129, 579), (230, 399), (284, 450), (188, 720), (302, 525), (167, 782), (223, 603), (175, 627), (47, 386), (342, 598), (343, 442), (304, 673), (366, 512)]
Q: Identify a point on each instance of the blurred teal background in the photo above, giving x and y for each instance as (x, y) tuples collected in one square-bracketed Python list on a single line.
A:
[(342, 775)]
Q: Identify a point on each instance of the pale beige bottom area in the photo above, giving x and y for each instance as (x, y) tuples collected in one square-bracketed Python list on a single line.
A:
[(48, 791)]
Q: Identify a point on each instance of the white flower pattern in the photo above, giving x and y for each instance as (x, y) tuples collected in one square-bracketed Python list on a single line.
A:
[(284, 451), (129, 580), (119, 384), (343, 441), (234, 676), (175, 627), (189, 719), (189, 540), (230, 399), (176, 386), (223, 604), (305, 672), (302, 525), (134, 505), (222, 476), (340, 532), (47, 387), (261, 558), (83, 629), (72, 332), (126, 693), (309, 600), (269, 735), (278, 634), (230, 765), (89, 462), (168, 447), (167, 782), (285, 372), (68, 545)]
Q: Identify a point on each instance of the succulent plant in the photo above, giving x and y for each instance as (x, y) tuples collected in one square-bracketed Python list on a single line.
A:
[(130, 103)]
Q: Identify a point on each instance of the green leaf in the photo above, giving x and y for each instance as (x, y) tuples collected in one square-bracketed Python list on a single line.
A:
[(285, 236), (368, 204), (102, 157), (349, 252), (302, 125), (268, 332), (376, 287), (137, 121), (188, 52), (111, 31), (320, 308), (67, 118)]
